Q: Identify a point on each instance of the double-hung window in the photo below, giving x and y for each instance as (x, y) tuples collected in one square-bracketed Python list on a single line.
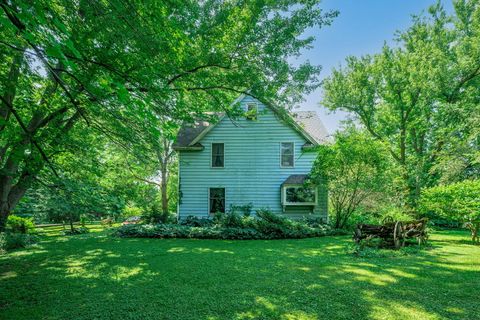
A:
[(287, 155), (218, 155), (216, 200)]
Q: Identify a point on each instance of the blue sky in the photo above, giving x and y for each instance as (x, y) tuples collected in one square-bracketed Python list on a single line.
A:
[(361, 28)]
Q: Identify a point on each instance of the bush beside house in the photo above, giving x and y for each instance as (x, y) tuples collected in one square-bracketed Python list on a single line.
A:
[(231, 226)]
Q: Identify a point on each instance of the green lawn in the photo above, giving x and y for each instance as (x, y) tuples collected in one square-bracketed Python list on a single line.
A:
[(95, 276)]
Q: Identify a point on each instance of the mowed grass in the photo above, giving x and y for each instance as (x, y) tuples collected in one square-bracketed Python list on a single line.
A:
[(96, 276)]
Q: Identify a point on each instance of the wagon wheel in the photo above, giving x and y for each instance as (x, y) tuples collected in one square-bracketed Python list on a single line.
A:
[(398, 239), (422, 238)]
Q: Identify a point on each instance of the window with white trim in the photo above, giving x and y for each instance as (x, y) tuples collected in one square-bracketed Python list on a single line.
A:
[(218, 155), (299, 195), (287, 154), (216, 200)]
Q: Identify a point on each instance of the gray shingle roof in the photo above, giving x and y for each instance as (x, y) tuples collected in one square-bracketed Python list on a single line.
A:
[(307, 120), (311, 123), (188, 133), (295, 179)]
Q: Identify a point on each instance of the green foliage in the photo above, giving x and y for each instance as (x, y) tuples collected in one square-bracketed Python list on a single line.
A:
[(262, 231), (155, 214), (459, 200), (355, 168), (420, 98), (373, 250), (75, 231), (314, 222), (16, 224), (107, 222), (3, 243), (245, 209), (83, 220), (267, 225), (193, 221), (10, 241), (103, 94), (132, 211), (391, 214)]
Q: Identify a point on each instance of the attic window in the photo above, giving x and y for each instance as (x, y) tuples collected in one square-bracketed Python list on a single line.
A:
[(252, 110)]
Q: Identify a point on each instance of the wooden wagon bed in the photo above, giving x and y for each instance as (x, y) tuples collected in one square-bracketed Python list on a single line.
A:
[(393, 232)]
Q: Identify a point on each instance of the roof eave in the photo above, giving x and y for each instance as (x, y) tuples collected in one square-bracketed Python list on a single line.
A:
[(197, 147), (309, 147)]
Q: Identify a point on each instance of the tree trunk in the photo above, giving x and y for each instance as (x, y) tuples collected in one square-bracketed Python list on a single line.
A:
[(4, 212), (164, 189), (474, 230), (70, 218), (338, 219)]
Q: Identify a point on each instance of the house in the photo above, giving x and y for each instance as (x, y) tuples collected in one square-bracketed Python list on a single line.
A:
[(263, 159)]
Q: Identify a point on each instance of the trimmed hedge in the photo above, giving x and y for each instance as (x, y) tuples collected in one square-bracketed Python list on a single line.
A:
[(230, 226)]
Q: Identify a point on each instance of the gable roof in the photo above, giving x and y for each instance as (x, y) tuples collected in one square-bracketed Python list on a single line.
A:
[(311, 123), (306, 123)]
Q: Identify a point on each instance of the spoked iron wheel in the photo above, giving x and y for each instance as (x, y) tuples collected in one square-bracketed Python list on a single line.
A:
[(398, 239)]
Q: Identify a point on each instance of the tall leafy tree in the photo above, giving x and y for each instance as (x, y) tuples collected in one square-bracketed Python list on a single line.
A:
[(419, 96), (355, 169), (118, 67)]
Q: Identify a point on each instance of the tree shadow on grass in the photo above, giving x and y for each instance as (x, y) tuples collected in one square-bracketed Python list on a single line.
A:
[(101, 277)]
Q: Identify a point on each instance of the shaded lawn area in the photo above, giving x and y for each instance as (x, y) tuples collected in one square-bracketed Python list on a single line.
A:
[(96, 276), (57, 229)]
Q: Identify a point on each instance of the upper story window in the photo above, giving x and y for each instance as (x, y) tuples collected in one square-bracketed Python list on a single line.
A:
[(218, 155), (287, 154), (252, 110)]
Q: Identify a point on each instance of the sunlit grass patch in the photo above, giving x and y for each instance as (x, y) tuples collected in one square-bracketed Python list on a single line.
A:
[(102, 277)]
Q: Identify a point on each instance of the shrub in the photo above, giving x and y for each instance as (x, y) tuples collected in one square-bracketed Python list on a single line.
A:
[(3, 243), (231, 220), (75, 231), (132, 211), (269, 216), (10, 241), (107, 223), (194, 221), (314, 222), (245, 209), (229, 226), (459, 201), (16, 224), (156, 215), (394, 214)]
